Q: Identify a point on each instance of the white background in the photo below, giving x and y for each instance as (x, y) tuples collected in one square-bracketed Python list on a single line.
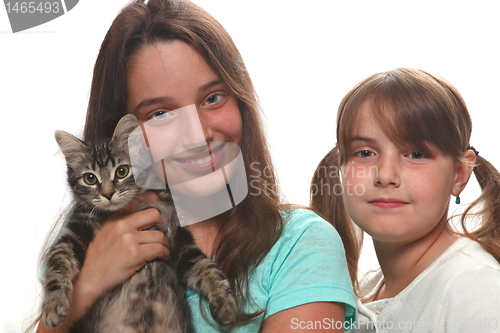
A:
[(303, 58)]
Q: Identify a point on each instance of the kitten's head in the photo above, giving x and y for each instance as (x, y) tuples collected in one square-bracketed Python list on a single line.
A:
[(100, 175)]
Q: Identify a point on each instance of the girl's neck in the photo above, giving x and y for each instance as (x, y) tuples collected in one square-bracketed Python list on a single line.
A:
[(205, 236), (401, 264)]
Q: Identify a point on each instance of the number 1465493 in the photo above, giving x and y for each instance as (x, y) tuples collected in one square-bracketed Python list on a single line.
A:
[(32, 7)]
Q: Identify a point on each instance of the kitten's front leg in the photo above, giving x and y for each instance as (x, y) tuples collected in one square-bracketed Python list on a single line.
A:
[(206, 277), (202, 274), (58, 287)]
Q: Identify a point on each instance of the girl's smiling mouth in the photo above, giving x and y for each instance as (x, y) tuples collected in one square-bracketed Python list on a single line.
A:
[(202, 162)]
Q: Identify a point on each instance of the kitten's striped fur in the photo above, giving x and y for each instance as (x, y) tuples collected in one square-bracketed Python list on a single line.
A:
[(153, 300)]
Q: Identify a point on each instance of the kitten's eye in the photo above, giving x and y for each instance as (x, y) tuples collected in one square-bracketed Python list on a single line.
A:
[(122, 171), (89, 178)]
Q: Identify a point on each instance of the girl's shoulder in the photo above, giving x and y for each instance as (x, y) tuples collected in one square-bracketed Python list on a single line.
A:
[(465, 277), (474, 283), (306, 264), (307, 237), (466, 254), (304, 218), (464, 274), (473, 268), (464, 268), (304, 224), (463, 262)]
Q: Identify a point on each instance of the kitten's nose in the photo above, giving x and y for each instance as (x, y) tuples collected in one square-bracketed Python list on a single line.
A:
[(108, 195)]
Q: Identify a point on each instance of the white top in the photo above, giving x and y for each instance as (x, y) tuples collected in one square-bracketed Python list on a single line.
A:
[(458, 292)]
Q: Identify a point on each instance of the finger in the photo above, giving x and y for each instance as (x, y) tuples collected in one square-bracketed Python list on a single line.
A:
[(154, 251), (151, 236), (134, 222), (143, 197), (144, 219)]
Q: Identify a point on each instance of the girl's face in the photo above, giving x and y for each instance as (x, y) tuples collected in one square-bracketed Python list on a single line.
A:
[(397, 195), (188, 113)]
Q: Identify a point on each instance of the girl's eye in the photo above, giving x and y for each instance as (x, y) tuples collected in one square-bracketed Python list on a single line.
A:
[(214, 99), (89, 178), (364, 153), (160, 115), (416, 155), (122, 171)]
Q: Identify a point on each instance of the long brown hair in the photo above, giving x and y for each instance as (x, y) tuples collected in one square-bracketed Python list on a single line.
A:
[(248, 231), (419, 109)]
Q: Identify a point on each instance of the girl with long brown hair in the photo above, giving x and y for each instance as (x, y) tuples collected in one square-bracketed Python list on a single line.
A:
[(286, 264), (403, 147)]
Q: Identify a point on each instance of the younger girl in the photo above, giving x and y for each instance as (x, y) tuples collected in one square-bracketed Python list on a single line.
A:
[(402, 149)]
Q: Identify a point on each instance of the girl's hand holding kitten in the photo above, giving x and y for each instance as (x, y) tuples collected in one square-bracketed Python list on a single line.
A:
[(119, 249)]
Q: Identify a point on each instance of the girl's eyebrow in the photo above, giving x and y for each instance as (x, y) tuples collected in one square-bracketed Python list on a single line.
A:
[(166, 99), (210, 85), (362, 138), (151, 101)]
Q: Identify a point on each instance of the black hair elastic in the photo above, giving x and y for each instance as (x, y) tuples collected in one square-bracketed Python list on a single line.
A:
[(473, 149)]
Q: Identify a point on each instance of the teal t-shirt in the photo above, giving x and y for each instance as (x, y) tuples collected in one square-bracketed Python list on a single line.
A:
[(307, 264)]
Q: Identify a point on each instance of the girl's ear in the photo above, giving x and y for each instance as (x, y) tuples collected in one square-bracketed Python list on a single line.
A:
[(463, 171)]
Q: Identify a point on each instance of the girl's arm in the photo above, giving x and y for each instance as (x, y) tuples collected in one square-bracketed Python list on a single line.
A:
[(312, 317), (119, 249)]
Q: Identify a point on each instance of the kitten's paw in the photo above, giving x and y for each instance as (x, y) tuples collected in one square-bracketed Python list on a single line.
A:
[(54, 311), (226, 309), (206, 277)]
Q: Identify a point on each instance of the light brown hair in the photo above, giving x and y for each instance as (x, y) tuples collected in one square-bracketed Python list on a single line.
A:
[(422, 110)]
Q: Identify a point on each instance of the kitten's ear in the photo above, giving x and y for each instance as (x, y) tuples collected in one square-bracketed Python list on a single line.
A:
[(125, 127), (70, 145)]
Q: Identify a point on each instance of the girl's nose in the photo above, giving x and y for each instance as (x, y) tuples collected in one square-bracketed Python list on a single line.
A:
[(206, 126), (387, 172), (195, 129)]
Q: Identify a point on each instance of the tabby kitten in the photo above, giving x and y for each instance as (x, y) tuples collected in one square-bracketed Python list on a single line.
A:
[(153, 300)]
